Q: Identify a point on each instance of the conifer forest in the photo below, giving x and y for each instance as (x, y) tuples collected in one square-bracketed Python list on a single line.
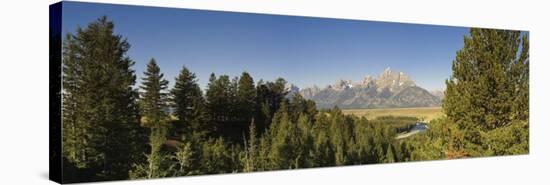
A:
[(114, 128)]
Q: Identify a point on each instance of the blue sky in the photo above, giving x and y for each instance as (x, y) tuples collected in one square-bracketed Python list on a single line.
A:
[(303, 50)]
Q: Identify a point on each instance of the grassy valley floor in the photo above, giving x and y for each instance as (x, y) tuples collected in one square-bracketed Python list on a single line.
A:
[(424, 113)]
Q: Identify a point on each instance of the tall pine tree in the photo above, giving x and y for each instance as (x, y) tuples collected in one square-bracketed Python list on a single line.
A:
[(189, 104), (192, 124), (101, 131), (153, 100), (246, 100), (489, 85), (218, 100), (153, 108)]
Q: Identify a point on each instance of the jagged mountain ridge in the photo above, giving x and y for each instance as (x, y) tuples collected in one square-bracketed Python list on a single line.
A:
[(389, 90)]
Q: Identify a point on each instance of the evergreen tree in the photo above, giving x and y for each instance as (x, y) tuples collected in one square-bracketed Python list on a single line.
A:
[(231, 105), (269, 96), (219, 101), (189, 105), (489, 85), (323, 149), (154, 102), (305, 149), (264, 147), (340, 134), (338, 139), (264, 114), (251, 149), (281, 129), (362, 142), (301, 106), (246, 100), (101, 129), (153, 107)]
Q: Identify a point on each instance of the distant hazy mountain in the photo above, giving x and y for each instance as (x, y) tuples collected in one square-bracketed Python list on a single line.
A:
[(389, 89), (438, 93)]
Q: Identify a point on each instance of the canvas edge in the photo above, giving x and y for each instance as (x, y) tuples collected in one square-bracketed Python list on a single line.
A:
[(55, 161)]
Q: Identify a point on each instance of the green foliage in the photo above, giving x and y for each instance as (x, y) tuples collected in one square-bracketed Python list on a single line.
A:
[(390, 157), (305, 150), (219, 98), (340, 135), (430, 145), (153, 106), (489, 87), (510, 140), (282, 140), (189, 105), (216, 158), (221, 107), (185, 156), (362, 147), (246, 98), (238, 126), (302, 107), (100, 121), (323, 149), (269, 96), (154, 98), (158, 162), (251, 150)]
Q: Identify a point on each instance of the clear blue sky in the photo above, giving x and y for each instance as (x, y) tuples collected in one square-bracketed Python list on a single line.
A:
[(303, 50)]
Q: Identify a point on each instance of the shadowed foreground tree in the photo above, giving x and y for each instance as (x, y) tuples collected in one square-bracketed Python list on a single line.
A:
[(246, 101), (189, 105), (101, 132), (220, 98), (191, 125)]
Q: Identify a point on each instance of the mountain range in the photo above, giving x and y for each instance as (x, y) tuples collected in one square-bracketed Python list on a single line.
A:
[(390, 89)]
